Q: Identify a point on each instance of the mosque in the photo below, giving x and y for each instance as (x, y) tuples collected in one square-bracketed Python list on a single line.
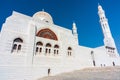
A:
[(34, 47)]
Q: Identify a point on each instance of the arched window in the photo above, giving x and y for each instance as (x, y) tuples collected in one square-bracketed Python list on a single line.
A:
[(69, 51), (48, 48), (39, 47), (17, 45), (56, 50)]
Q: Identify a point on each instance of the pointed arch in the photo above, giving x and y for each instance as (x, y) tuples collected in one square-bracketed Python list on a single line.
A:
[(47, 33)]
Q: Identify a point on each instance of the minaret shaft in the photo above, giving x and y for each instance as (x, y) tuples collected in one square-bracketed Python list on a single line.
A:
[(75, 34), (104, 23), (108, 39)]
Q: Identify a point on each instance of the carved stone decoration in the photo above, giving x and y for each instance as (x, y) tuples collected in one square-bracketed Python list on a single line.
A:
[(47, 33)]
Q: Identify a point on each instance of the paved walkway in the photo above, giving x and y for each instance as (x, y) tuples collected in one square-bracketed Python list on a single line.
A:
[(106, 73)]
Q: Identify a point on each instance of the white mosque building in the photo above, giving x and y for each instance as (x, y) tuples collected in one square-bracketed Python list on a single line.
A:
[(33, 47)]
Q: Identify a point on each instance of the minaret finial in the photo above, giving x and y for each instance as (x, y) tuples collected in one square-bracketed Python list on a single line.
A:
[(99, 7), (98, 4), (74, 24), (74, 31)]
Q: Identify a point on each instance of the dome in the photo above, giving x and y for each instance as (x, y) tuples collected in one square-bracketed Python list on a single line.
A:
[(43, 16)]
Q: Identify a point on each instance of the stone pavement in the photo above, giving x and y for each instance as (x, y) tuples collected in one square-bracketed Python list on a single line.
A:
[(104, 73)]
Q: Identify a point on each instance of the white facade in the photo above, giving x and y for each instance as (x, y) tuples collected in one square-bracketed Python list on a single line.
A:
[(30, 47)]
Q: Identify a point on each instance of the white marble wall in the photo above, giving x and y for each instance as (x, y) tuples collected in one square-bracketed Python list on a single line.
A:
[(30, 66)]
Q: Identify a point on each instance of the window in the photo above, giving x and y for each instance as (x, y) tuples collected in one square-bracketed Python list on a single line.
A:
[(17, 45), (36, 49), (69, 51), (39, 46), (56, 50), (14, 46), (48, 49), (47, 21), (40, 49), (110, 49)]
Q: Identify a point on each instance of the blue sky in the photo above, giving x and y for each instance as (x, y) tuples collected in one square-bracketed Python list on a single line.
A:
[(64, 12)]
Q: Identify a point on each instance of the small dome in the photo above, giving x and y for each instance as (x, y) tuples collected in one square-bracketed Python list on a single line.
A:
[(43, 16)]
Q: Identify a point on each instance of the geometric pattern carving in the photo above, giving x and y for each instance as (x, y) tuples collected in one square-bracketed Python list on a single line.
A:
[(47, 33)]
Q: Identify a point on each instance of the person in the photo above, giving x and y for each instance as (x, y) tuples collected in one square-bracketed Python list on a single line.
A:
[(113, 64), (49, 70)]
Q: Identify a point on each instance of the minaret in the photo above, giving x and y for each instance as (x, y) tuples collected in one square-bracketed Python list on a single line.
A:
[(108, 39), (74, 29)]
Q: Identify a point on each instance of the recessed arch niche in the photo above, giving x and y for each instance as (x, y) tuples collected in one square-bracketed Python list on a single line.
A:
[(47, 33)]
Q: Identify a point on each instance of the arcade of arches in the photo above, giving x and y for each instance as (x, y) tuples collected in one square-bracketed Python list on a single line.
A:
[(49, 50), (46, 50)]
